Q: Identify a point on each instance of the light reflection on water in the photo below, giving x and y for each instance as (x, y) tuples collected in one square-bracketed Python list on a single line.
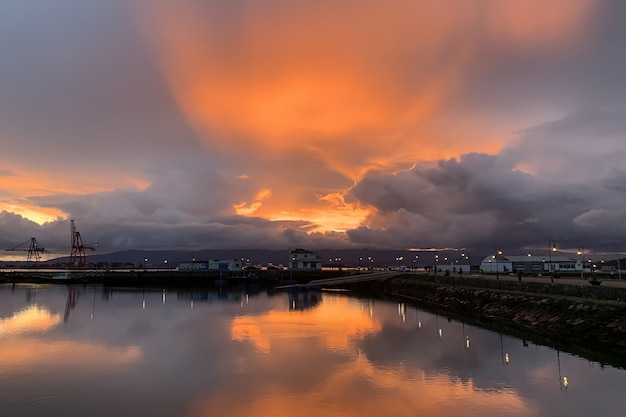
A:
[(78, 351)]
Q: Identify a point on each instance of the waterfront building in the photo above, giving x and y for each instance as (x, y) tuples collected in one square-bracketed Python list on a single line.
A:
[(212, 265), (304, 260), (531, 265)]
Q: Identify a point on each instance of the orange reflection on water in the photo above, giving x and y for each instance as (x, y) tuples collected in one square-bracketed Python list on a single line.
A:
[(361, 388), (335, 322), (19, 354), (355, 386), (33, 318)]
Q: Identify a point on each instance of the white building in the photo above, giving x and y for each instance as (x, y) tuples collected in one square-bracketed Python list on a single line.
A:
[(531, 264), (212, 265), (304, 260)]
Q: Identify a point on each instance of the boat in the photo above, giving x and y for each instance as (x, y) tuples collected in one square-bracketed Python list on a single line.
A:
[(65, 275)]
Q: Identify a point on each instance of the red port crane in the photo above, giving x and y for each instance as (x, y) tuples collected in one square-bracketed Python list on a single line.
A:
[(77, 255), (34, 250)]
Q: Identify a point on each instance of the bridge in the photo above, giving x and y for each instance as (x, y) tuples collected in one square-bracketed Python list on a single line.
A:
[(352, 279)]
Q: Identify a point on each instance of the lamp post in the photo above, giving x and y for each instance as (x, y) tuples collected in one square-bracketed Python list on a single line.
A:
[(398, 259), (551, 248), (581, 252), (497, 252)]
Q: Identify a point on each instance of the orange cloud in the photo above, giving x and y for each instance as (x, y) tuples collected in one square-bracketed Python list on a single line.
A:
[(327, 71), (244, 208), (23, 184), (530, 23), (355, 85)]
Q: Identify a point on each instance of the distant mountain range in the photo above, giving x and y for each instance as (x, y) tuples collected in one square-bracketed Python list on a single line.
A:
[(330, 257)]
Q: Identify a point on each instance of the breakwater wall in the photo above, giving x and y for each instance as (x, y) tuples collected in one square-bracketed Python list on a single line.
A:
[(588, 321), (164, 278)]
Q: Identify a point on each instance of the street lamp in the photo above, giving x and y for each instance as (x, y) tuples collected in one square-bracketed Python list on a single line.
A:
[(551, 248), (498, 252), (399, 258), (581, 252)]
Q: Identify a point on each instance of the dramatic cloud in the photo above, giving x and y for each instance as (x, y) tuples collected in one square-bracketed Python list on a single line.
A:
[(224, 124)]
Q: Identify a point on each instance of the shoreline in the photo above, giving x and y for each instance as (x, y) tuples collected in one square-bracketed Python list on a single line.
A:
[(572, 316), (587, 321)]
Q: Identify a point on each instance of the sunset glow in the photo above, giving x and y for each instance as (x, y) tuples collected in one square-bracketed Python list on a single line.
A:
[(324, 118)]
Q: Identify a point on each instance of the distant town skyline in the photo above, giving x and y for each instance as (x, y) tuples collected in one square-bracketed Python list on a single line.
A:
[(181, 125)]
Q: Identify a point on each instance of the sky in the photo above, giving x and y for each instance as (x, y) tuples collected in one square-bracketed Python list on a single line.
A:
[(220, 124)]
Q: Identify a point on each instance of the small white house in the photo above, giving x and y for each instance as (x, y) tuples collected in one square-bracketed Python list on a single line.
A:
[(304, 260)]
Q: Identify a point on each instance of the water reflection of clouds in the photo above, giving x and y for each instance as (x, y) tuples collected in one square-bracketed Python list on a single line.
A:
[(336, 322), (22, 354), (359, 388), (30, 319), (31, 339), (342, 324), (342, 356)]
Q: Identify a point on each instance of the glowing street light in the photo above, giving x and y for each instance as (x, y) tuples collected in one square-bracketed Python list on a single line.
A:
[(398, 259), (581, 252), (551, 248), (498, 252)]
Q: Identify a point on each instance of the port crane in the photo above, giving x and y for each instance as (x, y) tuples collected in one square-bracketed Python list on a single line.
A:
[(77, 255), (34, 250)]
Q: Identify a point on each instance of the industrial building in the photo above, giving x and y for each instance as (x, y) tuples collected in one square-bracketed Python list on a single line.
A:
[(531, 265), (212, 265)]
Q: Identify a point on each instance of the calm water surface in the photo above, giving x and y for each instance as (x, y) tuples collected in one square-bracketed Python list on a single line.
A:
[(85, 351)]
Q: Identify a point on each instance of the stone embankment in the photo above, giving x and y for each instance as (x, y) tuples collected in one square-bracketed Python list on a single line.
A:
[(586, 320)]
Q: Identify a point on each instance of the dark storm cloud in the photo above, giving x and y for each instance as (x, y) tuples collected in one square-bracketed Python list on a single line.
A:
[(480, 201)]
